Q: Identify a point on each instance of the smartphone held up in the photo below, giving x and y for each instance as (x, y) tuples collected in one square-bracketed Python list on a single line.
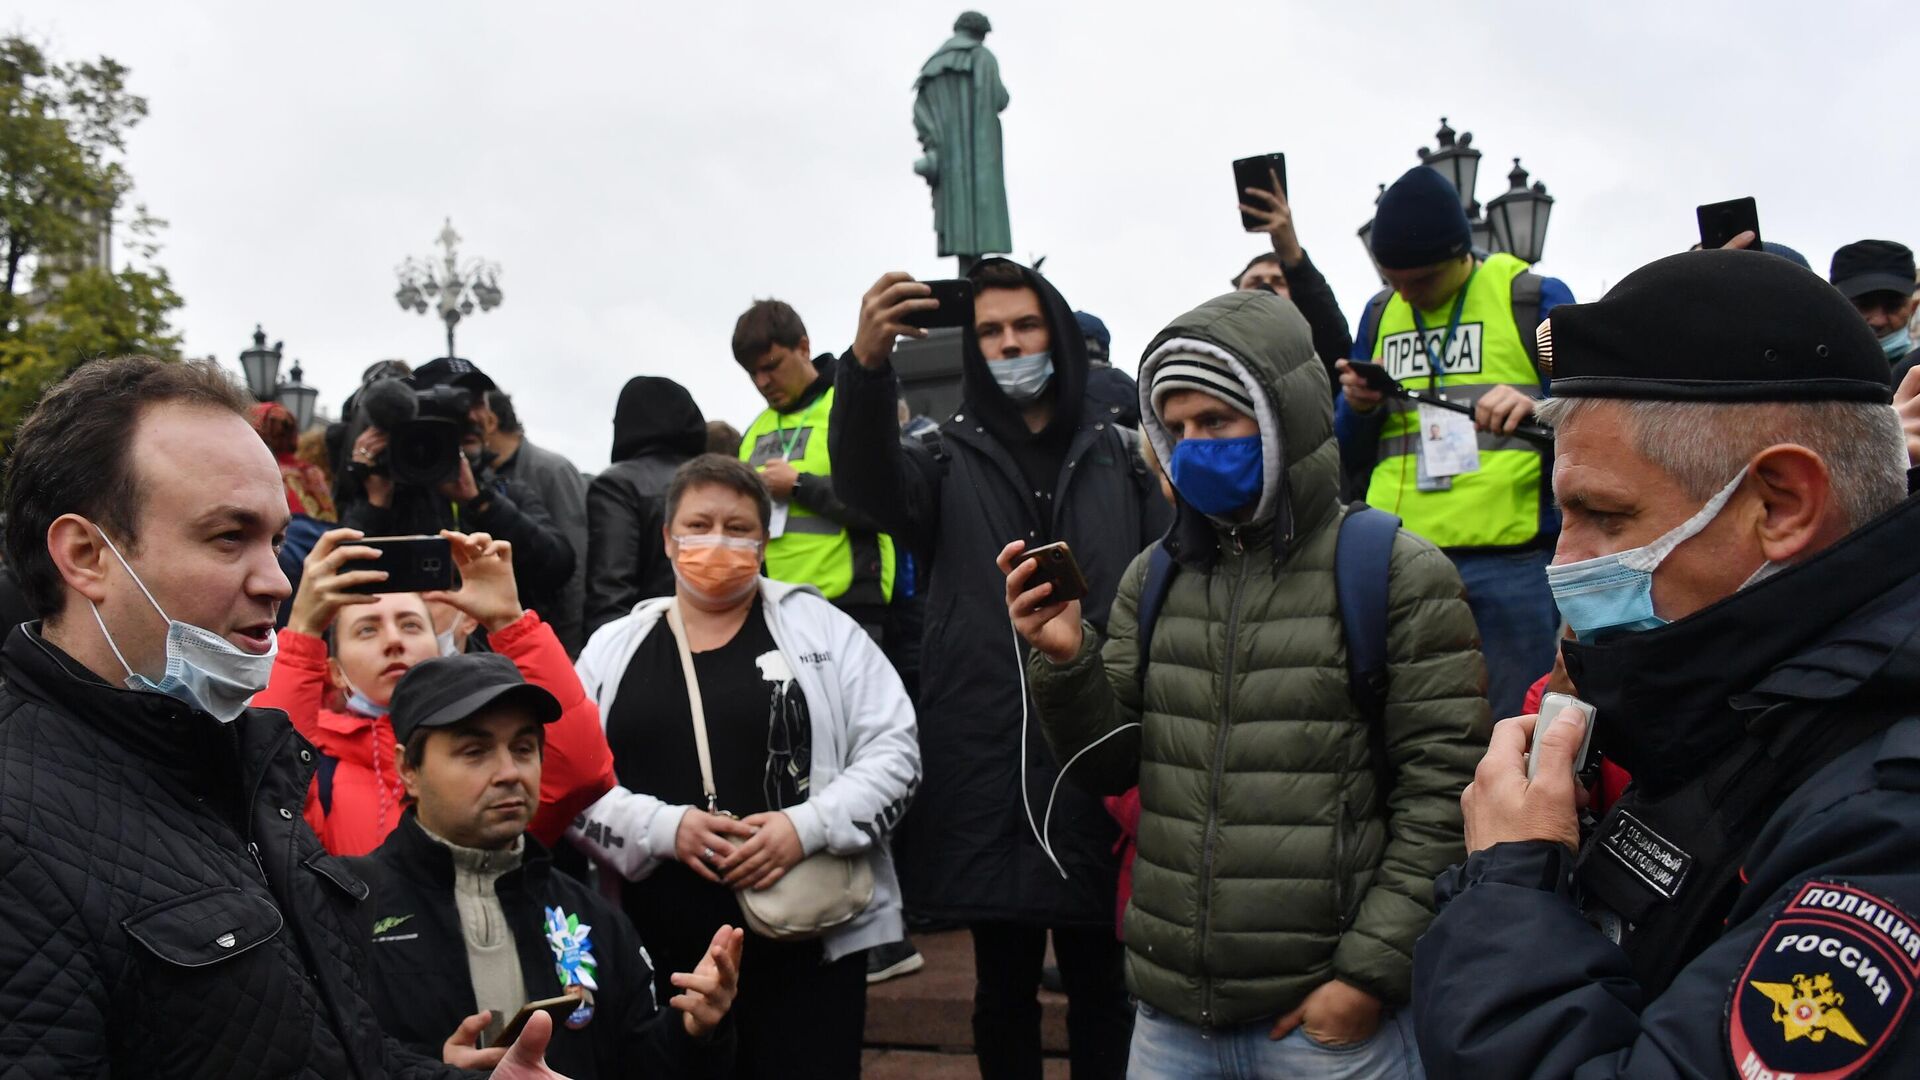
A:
[(1261, 171), (1054, 564), (412, 563)]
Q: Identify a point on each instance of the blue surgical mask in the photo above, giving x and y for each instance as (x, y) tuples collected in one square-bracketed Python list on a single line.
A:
[(1896, 344), (1613, 594), (1219, 476), (204, 669), (363, 705), (1023, 378), (445, 640)]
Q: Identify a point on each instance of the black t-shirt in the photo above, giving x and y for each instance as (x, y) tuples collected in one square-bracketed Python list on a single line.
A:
[(760, 735)]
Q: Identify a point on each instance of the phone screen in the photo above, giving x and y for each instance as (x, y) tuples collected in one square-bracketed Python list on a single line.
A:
[(1257, 172)]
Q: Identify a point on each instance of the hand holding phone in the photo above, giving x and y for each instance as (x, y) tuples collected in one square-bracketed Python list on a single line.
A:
[(1374, 376), (1722, 221), (1044, 620), (956, 305), (561, 1007), (1054, 564), (411, 563), (1261, 172)]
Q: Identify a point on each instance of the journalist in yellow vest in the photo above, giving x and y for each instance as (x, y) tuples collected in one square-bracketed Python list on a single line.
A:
[(816, 539), (1450, 324)]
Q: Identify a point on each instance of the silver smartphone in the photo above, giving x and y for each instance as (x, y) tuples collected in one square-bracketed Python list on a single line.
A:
[(1551, 706)]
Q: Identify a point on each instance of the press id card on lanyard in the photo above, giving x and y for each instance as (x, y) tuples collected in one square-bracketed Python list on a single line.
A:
[(1449, 445)]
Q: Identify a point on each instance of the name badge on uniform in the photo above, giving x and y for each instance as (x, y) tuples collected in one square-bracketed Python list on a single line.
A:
[(1449, 445), (777, 521)]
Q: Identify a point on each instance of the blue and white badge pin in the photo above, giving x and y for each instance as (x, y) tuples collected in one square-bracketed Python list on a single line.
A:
[(572, 945)]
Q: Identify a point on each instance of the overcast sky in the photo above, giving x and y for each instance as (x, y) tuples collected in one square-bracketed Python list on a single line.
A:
[(642, 172)]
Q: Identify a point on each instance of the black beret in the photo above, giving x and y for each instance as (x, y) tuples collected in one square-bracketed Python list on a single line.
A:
[(1716, 326)]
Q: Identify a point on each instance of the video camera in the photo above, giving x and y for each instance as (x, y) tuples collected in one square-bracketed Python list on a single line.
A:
[(424, 429)]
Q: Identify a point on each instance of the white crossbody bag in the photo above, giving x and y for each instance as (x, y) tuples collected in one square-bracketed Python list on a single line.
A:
[(821, 892)]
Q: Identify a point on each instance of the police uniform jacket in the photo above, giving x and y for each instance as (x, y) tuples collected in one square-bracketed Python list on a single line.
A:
[(1749, 910)]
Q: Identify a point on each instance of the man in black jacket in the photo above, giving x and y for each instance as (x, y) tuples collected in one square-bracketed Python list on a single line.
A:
[(469, 921), (657, 428), (1027, 458), (1738, 566), (167, 911)]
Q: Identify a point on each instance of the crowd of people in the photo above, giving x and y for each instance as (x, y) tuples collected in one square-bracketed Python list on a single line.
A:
[(660, 783)]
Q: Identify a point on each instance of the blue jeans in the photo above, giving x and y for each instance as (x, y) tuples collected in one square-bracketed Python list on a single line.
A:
[(1519, 625), (1168, 1049)]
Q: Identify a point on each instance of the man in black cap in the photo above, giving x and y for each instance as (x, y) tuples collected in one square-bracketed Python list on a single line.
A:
[(1877, 275), (1461, 326), (1738, 565), (470, 921)]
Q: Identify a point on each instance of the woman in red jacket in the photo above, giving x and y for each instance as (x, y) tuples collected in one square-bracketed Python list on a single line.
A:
[(356, 795)]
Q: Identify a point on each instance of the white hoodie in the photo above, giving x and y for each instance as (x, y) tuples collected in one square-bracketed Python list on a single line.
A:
[(866, 751)]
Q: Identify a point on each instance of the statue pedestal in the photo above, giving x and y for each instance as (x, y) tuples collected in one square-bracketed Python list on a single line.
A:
[(929, 370)]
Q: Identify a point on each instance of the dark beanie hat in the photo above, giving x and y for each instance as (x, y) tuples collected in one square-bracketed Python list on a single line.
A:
[(1715, 326), (1419, 222)]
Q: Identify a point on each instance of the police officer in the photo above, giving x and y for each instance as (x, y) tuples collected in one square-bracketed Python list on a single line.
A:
[(815, 538), (1462, 327), (1738, 566)]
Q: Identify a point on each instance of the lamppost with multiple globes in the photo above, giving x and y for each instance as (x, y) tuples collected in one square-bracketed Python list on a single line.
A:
[(261, 366), (453, 289), (1515, 221)]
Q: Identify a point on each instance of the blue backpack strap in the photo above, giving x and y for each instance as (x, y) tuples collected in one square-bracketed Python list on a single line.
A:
[(1153, 594), (1362, 569), (323, 779)]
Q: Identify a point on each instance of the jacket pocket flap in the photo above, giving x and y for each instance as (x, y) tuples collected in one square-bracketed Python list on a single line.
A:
[(334, 869), (205, 927)]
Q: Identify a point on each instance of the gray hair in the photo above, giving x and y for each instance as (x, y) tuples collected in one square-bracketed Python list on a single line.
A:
[(1703, 444)]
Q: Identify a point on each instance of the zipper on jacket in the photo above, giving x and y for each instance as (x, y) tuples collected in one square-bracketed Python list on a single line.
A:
[(1342, 824), (1213, 789), (253, 849)]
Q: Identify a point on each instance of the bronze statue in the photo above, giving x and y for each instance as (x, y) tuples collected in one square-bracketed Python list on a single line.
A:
[(957, 116)]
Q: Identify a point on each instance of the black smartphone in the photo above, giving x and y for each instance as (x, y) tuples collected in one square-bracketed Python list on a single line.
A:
[(412, 563), (1257, 172), (956, 305), (1054, 562), (1375, 376), (1722, 221), (561, 1007)]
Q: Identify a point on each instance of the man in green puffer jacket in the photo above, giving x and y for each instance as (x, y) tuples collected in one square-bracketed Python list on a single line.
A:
[(1278, 890)]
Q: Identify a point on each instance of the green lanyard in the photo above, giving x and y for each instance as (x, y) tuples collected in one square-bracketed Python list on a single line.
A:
[(1453, 325), (787, 444)]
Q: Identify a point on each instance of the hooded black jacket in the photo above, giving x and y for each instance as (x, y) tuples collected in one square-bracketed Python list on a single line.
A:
[(1813, 674), (657, 428), (164, 909), (968, 852), (421, 987)]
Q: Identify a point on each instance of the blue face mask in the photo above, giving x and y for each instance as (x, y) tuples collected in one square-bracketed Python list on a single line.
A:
[(1023, 378), (203, 669), (1613, 594), (1219, 476), (1896, 344)]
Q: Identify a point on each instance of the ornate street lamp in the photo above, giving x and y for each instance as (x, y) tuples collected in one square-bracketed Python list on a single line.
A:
[(1515, 223), (298, 398), (1519, 217), (1458, 161), (261, 366), (452, 289)]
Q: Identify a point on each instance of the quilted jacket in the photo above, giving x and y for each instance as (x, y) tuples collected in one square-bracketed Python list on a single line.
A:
[(164, 911), (1269, 858)]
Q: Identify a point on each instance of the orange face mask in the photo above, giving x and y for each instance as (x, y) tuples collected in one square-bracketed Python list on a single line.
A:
[(717, 571)]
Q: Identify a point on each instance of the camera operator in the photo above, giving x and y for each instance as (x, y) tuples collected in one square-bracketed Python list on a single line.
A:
[(418, 465)]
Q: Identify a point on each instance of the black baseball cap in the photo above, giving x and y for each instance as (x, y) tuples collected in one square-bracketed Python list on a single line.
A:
[(452, 371), (1715, 326), (1870, 266), (447, 690)]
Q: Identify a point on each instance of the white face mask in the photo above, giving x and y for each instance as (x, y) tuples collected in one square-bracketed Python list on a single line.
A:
[(204, 669)]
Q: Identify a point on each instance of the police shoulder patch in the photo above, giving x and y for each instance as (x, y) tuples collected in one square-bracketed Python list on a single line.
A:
[(1825, 989)]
